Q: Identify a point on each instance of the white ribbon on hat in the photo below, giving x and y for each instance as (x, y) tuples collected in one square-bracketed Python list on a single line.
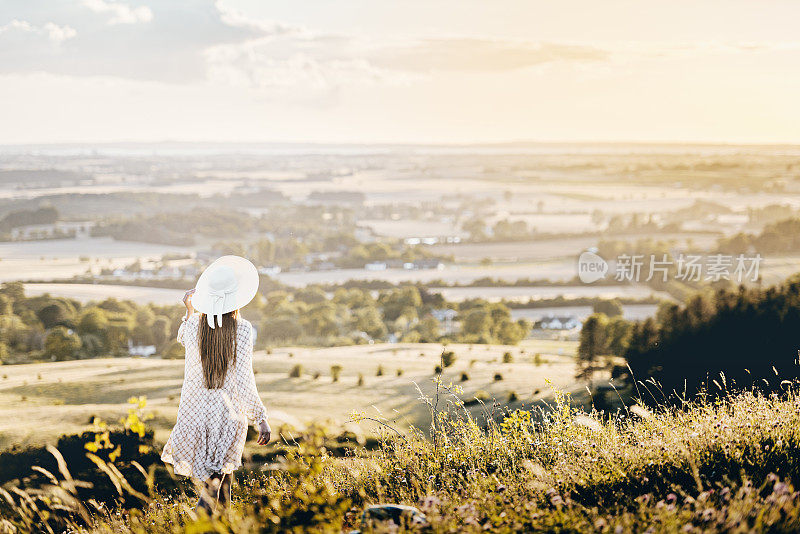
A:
[(219, 298)]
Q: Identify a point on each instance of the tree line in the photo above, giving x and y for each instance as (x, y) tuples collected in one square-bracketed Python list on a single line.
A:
[(716, 341), (55, 328)]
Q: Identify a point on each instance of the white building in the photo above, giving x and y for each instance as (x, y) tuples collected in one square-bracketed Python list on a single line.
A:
[(78, 229), (561, 322), (375, 266), (447, 318), (144, 351)]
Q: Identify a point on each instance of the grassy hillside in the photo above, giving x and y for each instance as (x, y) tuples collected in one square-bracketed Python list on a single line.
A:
[(732, 466)]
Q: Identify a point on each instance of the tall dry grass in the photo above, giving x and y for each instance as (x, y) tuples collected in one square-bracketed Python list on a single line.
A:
[(730, 464)]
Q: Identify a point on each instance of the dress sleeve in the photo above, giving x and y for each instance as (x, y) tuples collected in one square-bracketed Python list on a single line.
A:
[(181, 330), (246, 380), (192, 372)]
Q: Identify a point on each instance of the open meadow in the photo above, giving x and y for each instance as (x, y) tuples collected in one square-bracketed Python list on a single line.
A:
[(39, 402)]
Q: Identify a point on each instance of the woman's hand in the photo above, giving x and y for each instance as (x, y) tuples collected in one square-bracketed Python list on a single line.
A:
[(187, 301), (263, 432)]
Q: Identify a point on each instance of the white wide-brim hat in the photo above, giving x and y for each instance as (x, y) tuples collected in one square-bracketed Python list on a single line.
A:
[(226, 285)]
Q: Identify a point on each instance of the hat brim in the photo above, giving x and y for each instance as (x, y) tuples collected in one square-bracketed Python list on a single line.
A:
[(246, 276)]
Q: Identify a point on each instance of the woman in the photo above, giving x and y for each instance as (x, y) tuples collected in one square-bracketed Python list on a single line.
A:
[(219, 394)]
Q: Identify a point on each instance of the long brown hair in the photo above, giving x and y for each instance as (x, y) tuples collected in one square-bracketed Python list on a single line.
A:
[(217, 348)]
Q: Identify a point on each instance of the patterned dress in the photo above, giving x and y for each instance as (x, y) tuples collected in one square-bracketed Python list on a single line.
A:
[(211, 428)]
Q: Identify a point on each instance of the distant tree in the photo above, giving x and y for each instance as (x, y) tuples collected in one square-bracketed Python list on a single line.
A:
[(265, 251), (512, 332), (55, 314), (117, 306), (368, 320), (477, 322), (506, 229), (281, 329), (44, 215), (610, 308), (161, 330), (310, 295), (618, 335), (93, 321), (644, 338), (118, 333), (92, 345), (592, 345), (428, 329), (399, 302), (321, 320), (174, 351), (6, 305), (61, 344), (476, 228), (13, 290)]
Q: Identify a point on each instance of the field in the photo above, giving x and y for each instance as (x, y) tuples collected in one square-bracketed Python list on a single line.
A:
[(38, 402), (65, 258), (631, 312), (553, 249), (523, 294), (98, 292)]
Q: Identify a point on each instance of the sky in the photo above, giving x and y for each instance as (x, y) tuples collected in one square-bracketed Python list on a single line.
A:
[(389, 71)]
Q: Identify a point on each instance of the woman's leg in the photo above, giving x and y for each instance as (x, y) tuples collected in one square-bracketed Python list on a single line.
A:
[(209, 496), (224, 496)]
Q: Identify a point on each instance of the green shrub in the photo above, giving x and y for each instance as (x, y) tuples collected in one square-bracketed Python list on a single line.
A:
[(498, 377), (360, 379), (437, 370), (464, 377), (399, 372), (508, 357), (512, 397), (336, 370), (296, 371), (379, 372), (448, 358), (480, 397)]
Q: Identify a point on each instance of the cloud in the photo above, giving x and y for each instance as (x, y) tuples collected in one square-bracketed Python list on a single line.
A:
[(51, 31), (298, 60), (206, 41), (299, 57), (461, 54), (236, 18), (163, 42), (120, 13)]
